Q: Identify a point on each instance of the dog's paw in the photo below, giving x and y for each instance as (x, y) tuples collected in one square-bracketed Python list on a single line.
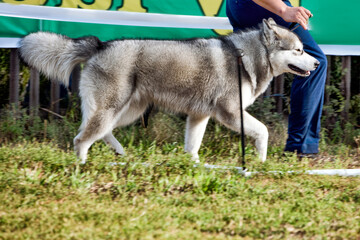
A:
[(195, 158), (81, 162)]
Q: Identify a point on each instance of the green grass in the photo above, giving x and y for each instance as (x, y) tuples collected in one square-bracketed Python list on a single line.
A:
[(44, 194), (159, 193)]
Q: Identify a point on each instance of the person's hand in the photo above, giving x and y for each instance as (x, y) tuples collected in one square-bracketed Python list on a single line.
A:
[(297, 14)]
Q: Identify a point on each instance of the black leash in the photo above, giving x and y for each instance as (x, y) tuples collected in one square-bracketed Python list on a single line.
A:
[(295, 25), (239, 53)]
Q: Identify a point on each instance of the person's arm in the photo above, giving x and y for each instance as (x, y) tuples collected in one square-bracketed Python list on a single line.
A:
[(289, 14)]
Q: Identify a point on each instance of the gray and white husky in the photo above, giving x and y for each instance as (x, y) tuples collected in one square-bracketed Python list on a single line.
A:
[(197, 77)]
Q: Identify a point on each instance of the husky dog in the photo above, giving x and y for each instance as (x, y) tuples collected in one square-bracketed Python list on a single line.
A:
[(198, 77)]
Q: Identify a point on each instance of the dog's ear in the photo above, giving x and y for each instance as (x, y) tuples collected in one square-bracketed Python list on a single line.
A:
[(270, 33), (271, 21)]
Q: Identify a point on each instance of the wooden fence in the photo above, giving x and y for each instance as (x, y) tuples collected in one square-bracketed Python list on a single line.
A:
[(34, 103), (34, 83)]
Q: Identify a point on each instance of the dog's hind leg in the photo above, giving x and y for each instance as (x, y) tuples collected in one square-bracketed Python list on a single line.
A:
[(129, 113), (195, 129), (114, 143), (98, 125)]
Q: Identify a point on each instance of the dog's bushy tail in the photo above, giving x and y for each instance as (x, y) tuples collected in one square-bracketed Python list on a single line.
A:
[(55, 55)]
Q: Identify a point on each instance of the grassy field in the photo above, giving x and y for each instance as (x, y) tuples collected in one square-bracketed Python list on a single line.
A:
[(159, 194), (45, 195)]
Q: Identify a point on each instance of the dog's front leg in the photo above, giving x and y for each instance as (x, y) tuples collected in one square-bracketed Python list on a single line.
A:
[(195, 129), (259, 132), (252, 127)]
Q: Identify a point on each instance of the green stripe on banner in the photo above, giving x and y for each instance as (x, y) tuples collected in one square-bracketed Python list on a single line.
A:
[(17, 27), (334, 22)]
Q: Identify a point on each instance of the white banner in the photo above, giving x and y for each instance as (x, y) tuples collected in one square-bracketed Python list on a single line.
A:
[(113, 17)]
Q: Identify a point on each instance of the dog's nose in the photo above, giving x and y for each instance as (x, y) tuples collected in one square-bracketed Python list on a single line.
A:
[(317, 63)]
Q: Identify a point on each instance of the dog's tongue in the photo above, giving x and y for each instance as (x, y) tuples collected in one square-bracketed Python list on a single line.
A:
[(307, 73)]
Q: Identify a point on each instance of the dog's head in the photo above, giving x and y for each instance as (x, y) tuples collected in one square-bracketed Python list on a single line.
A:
[(285, 51)]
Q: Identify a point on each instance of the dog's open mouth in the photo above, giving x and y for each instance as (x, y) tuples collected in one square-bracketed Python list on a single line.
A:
[(299, 70)]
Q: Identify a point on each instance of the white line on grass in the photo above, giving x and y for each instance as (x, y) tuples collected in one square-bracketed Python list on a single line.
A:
[(329, 172)]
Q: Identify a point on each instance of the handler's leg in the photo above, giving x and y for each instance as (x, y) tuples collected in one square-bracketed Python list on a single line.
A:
[(307, 97)]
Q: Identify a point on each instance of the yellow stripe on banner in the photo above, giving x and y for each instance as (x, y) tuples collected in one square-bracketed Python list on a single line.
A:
[(29, 2), (210, 7), (95, 5), (132, 6), (295, 3)]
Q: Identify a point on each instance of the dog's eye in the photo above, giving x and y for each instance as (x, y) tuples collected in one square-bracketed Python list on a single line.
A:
[(299, 50)]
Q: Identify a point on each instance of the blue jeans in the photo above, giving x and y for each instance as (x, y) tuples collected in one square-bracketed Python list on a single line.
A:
[(307, 93)]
